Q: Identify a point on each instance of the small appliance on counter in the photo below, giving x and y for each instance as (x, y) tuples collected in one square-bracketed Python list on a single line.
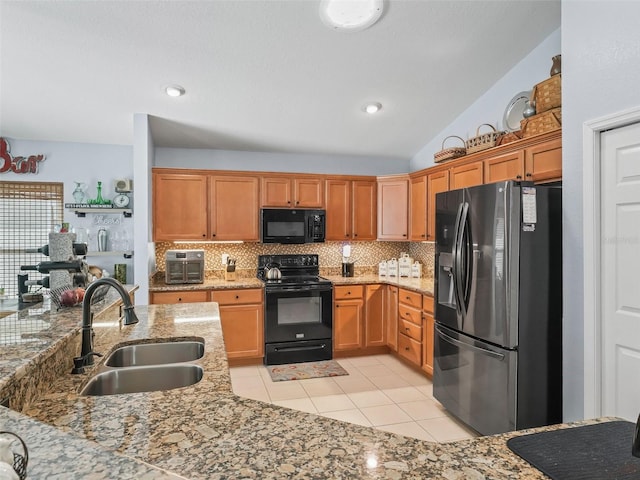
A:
[(184, 266)]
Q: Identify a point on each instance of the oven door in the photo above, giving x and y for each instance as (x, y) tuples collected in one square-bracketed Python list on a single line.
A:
[(295, 313)]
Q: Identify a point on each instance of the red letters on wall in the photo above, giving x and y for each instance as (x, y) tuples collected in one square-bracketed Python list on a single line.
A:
[(17, 164)]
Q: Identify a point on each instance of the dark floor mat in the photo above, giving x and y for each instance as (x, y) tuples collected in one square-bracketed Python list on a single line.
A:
[(590, 452)]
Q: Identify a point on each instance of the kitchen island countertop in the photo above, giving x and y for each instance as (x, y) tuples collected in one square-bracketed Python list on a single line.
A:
[(207, 432)]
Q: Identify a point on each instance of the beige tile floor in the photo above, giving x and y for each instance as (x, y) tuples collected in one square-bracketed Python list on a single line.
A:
[(379, 392)]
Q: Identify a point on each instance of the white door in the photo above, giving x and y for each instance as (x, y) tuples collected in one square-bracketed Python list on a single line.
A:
[(620, 269)]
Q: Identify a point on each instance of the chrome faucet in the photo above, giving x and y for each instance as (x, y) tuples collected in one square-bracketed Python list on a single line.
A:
[(86, 354)]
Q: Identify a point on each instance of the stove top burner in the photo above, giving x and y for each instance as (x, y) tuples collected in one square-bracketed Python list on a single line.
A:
[(294, 269)]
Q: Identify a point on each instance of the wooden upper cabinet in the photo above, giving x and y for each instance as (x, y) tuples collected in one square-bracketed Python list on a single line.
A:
[(468, 175), (276, 192), (393, 207), (289, 192), (351, 209), (509, 166), (180, 207), (437, 182), (338, 205), (543, 163), (364, 213), (233, 208), (418, 208)]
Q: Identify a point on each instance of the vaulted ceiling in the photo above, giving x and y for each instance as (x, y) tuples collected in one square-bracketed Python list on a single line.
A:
[(263, 75)]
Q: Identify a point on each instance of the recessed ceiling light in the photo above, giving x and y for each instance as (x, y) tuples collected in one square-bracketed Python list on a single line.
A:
[(350, 15), (373, 107), (174, 90)]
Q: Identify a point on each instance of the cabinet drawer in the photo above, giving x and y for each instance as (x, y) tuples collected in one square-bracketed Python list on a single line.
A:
[(410, 329), (186, 296), (237, 297), (410, 314), (410, 349), (408, 297), (343, 292), (427, 303)]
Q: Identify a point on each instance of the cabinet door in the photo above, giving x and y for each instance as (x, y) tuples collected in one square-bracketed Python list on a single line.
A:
[(276, 192), (347, 325), (427, 344), (418, 208), (543, 163), (436, 183), (179, 207), (468, 175), (391, 310), (364, 214), (393, 207), (308, 192), (234, 208), (509, 166), (185, 296), (338, 219), (374, 327), (243, 330)]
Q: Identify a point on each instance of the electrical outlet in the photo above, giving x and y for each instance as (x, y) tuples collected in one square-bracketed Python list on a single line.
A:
[(225, 258)]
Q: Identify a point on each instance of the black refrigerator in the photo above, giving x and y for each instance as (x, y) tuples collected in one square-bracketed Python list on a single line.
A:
[(498, 305)]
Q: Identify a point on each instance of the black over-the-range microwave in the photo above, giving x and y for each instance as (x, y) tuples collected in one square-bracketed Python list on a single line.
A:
[(285, 225)]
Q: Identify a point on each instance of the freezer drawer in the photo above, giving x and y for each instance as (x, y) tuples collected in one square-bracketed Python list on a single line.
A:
[(475, 381)]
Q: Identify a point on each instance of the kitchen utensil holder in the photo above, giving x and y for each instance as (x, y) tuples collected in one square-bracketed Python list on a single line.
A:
[(20, 461), (229, 276)]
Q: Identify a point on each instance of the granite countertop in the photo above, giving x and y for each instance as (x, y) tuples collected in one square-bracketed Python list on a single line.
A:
[(420, 285), (206, 432)]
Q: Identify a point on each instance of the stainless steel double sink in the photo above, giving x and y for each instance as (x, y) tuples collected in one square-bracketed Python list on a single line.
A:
[(148, 367)]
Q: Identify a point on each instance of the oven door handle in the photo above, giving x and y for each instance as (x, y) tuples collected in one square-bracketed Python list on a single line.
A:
[(318, 288)]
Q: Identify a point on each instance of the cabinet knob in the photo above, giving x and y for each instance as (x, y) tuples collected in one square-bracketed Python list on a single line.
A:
[(404, 234), (519, 177), (406, 348), (407, 329), (423, 235), (355, 234), (179, 299), (213, 234), (204, 234), (346, 235), (297, 202), (528, 175), (237, 297)]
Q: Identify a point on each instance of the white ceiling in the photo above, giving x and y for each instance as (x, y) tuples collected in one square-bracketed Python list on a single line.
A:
[(264, 75)]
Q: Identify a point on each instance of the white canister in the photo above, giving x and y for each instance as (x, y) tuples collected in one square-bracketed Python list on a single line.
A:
[(416, 270), (392, 268), (382, 269)]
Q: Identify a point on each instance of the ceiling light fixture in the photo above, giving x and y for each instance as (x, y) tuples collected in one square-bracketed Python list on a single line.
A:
[(350, 15), (371, 108), (174, 90)]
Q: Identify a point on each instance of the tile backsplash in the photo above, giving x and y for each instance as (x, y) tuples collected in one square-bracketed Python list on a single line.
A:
[(367, 255)]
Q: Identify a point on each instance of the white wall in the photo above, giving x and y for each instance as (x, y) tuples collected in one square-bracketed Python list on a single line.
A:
[(144, 258), (601, 68), (490, 108), (82, 162), (277, 162)]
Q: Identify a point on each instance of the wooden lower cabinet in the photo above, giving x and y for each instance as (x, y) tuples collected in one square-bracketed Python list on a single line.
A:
[(347, 318), (183, 296), (242, 319), (427, 334), (391, 314), (374, 326), (410, 329)]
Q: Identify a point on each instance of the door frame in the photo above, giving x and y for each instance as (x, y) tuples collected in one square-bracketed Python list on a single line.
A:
[(591, 227)]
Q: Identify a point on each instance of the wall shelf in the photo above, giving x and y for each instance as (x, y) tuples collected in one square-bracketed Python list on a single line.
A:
[(81, 212), (113, 253)]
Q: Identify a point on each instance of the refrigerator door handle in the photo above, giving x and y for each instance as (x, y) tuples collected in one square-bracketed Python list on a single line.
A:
[(459, 283), (468, 346)]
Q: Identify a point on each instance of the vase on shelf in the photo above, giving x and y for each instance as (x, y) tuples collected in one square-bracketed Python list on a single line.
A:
[(99, 200), (79, 194), (556, 67)]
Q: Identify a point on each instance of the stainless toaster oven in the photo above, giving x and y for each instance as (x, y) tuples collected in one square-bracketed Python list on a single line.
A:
[(184, 266)]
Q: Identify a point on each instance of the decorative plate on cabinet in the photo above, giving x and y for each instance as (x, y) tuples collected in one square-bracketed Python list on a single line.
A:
[(513, 113)]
